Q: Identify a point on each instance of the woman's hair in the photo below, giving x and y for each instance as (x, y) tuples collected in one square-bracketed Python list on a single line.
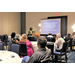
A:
[(13, 34), (24, 37)]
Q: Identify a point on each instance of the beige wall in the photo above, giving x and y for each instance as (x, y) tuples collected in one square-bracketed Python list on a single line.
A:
[(9, 22), (33, 19)]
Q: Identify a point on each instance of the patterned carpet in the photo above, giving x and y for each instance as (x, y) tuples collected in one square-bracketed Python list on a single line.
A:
[(71, 57)]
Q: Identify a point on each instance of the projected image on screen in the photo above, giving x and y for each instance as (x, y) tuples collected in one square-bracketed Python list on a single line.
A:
[(50, 26)]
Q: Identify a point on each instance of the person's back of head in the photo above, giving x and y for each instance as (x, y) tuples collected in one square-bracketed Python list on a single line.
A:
[(50, 34), (42, 41), (30, 28), (69, 35), (13, 34), (24, 37), (58, 35), (17, 35)]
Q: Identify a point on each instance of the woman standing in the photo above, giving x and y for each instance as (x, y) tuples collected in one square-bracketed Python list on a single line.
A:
[(31, 31)]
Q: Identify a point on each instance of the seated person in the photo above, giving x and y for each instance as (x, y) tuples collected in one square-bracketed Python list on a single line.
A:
[(50, 35), (18, 37), (42, 52), (59, 42), (31, 31), (25, 59), (28, 43), (35, 35), (12, 40), (73, 33), (68, 37), (73, 42)]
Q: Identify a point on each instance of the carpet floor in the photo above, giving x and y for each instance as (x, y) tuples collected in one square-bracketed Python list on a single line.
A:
[(71, 57)]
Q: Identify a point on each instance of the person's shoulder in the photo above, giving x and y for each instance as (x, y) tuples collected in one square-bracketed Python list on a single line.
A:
[(38, 52), (35, 54), (48, 50), (28, 41), (28, 30), (60, 38)]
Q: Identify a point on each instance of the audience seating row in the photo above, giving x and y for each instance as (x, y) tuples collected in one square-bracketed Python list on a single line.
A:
[(4, 38), (31, 38), (18, 48)]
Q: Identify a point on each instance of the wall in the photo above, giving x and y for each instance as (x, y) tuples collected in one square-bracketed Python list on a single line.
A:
[(9, 22), (33, 19)]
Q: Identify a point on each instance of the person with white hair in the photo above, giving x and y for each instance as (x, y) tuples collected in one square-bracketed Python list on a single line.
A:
[(58, 43), (18, 37)]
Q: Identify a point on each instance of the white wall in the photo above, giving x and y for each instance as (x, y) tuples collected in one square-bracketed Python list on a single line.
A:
[(9, 22), (33, 19)]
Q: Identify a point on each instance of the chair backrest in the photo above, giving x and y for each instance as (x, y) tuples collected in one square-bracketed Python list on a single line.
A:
[(53, 39), (5, 37), (50, 46), (1, 45), (15, 48), (23, 49), (70, 42), (48, 39), (65, 46)]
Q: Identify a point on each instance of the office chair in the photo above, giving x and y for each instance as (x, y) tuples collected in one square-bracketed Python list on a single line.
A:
[(23, 50), (15, 48), (63, 51)]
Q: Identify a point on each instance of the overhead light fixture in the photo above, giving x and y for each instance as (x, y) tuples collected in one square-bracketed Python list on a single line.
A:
[(39, 25), (73, 30), (73, 27)]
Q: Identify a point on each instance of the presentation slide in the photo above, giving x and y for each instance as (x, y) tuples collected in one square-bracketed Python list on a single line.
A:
[(50, 26)]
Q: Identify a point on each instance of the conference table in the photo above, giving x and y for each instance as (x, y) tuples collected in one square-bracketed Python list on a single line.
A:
[(9, 57), (34, 43), (12, 57)]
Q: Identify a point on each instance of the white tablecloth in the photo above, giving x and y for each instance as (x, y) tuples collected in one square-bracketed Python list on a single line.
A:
[(9, 57)]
